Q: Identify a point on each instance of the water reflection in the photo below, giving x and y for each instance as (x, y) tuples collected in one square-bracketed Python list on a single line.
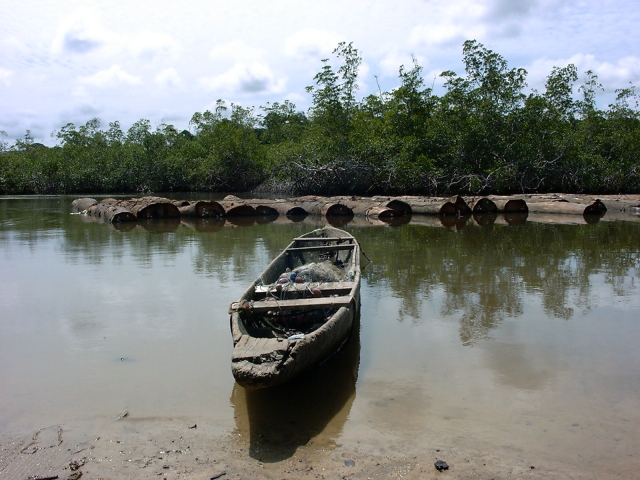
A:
[(160, 225), (278, 420), (485, 219), (202, 225), (482, 270), (485, 274)]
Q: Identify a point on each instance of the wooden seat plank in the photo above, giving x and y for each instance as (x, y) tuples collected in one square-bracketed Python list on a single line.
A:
[(320, 248), (300, 287), (303, 304), (323, 239)]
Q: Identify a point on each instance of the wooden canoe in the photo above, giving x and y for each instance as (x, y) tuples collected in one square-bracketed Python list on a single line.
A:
[(299, 311)]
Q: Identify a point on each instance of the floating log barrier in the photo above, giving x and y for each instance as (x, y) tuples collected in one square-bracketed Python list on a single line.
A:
[(324, 206), (342, 210), (116, 214), (263, 210), (462, 209), (236, 207), (509, 205), (431, 206), (484, 205), (199, 208), (290, 210), (110, 211), (151, 207), (596, 208), (82, 204)]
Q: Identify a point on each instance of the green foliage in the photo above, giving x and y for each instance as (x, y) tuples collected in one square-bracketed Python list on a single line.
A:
[(484, 134)]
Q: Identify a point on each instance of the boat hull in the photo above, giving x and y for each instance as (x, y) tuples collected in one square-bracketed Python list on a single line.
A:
[(260, 362)]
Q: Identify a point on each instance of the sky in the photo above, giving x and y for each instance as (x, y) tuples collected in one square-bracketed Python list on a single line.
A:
[(71, 61)]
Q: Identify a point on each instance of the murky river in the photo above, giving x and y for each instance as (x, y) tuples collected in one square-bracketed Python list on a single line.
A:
[(525, 337)]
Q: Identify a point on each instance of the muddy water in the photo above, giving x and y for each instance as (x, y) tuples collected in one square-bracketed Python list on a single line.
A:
[(522, 338)]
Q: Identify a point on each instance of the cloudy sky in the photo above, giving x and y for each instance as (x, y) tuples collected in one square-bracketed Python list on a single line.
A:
[(73, 60)]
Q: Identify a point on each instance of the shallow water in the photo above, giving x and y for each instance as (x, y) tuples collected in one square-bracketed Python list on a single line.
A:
[(523, 337)]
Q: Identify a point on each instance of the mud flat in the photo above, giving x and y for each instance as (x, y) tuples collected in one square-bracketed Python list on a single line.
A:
[(173, 448)]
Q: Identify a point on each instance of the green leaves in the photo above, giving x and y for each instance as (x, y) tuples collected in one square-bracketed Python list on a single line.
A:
[(483, 135)]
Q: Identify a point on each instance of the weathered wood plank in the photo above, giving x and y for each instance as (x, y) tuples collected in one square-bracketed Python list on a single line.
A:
[(323, 239), (305, 304), (320, 248)]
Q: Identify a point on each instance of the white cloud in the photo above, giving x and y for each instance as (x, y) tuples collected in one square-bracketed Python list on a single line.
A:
[(312, 43), (111, 77), (444, 34), (611, 75), (246, 78), (236, 51), (81, 93), (148, 45), (82, 33), (5, 75), (168, 78)]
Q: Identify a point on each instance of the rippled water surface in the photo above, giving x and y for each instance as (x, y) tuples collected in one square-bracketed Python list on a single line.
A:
[(505, 336)]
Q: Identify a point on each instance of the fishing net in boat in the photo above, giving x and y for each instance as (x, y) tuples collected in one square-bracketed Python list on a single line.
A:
[(320, 272)]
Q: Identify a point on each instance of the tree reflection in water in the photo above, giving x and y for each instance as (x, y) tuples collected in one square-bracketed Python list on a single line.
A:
[(484, 273)]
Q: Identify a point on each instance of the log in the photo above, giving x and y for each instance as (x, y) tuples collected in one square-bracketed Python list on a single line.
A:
[(326, 207), (151, 207), (596, 208), (200, 208), (263, 210), (82, 204), (381, 212), (462, 209), (289, 209), (237, 209), (511, 205), (435, 208), (484, 205), (116, 214), (99, 209)]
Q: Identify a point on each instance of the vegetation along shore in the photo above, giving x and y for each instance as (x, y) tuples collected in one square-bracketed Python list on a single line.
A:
[(483, 135)]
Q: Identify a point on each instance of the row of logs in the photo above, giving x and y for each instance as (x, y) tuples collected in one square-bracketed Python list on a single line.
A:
[(382, 208)]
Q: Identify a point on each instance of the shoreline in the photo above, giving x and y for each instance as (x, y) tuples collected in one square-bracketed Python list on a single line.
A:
[(166, 448)]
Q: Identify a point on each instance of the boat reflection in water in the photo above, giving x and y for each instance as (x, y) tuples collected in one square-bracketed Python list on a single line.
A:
[(280, 419)]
